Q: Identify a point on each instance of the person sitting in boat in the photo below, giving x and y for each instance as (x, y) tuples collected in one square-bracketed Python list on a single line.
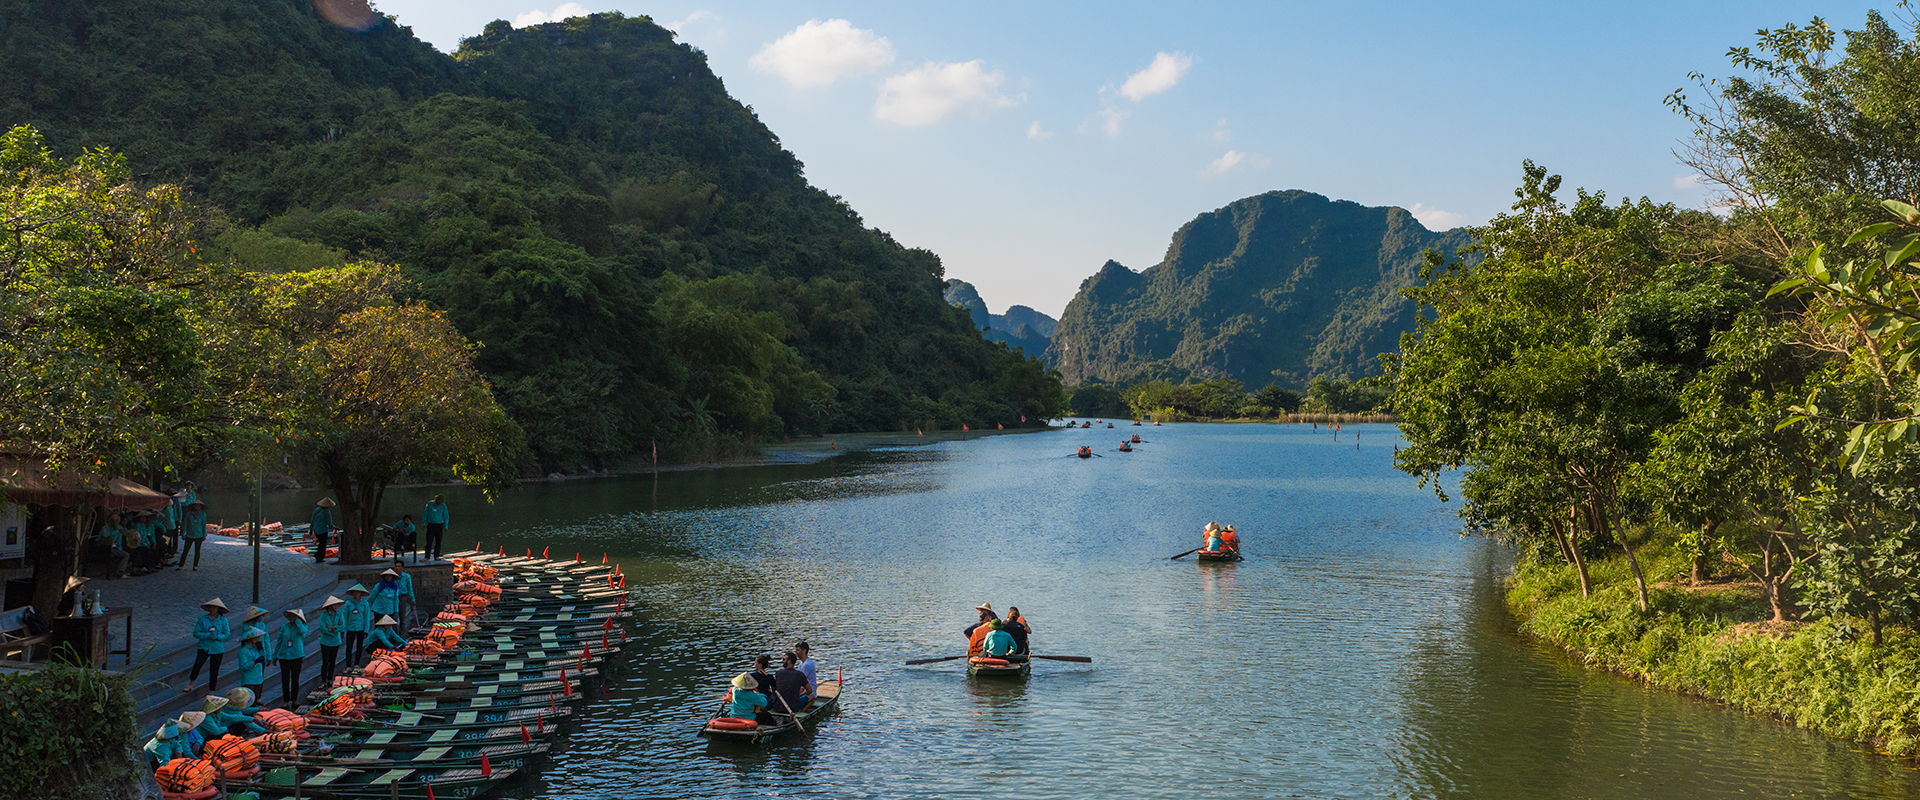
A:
[(745, 703), (166, 745), (805, 665), (1213, 538), (386, 635), (762, 676), (1230, 540), (998, 643), (1016, 626), (977, 632), (789, 686)]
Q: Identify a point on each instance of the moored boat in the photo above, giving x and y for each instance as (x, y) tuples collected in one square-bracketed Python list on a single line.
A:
[(722, 728), (343, 782)]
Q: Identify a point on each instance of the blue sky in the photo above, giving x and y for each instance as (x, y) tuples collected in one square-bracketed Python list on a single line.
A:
[(1027, 143)]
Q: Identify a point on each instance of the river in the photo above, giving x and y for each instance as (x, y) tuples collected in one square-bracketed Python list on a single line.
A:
[(1360, 651)]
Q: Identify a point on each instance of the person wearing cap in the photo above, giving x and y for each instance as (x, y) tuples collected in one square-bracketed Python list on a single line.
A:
[(357, 615), (333, 629), (290, 648), (386, 635), (254, 660), (235, 715), (435, 518), (166, 745), (210, 633), (745, 703), (321, 526), (193, 531), (806, 667), (977, 632)]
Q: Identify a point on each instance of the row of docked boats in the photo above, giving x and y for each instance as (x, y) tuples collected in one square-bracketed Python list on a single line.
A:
[(478, 695)]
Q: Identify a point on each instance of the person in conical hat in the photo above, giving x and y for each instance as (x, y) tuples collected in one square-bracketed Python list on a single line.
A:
[(743, 702), (210, 727), (254, 659), (332, 623), (254, 614), (321, 526), (357, 615), (210, 633), (290, 650), (189, 725), (166, 745), (386, 635), (231, 715)]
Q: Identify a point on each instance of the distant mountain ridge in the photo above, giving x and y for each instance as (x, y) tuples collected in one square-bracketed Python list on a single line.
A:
[(1021, 327), (1280, 287)]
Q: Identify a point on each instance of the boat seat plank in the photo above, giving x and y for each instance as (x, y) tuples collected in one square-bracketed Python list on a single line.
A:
[(466, 718), (432, 754), (425, 705), (390, 776), (444, 735), (325, 776), (383, 737)]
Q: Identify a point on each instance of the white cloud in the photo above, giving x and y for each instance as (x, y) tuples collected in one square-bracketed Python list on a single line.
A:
[(694, 17), (1159, 76), (1034, 131), (1113, 118), (933, 91), (1686, 181), (819, 53), (536, 16), (1221, 165), (1220, 133), (1435, 219)]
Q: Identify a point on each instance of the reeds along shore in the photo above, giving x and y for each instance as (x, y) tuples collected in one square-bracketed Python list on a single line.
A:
[(1343, 419)]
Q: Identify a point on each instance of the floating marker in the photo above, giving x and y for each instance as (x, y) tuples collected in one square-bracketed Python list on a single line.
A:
[(576, 556), (603, 558)]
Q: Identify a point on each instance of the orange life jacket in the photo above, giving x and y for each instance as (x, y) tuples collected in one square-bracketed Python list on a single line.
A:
[(977, 643), (1229, 540)]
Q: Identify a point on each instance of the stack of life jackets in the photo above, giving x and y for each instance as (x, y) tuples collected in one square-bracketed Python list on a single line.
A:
[(186, 778), (277, 743), (234, 756), (280, 720)]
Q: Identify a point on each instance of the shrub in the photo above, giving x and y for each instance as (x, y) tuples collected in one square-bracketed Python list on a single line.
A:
[(65, 734)]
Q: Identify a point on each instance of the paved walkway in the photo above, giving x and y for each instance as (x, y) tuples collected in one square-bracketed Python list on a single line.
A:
[(166, 603)]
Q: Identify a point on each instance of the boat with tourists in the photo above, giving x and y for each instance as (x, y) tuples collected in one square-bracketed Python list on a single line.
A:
[(722, 728), (1012, 667)]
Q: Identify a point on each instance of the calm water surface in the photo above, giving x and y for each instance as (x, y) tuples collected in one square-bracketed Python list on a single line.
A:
[(1361, 651)]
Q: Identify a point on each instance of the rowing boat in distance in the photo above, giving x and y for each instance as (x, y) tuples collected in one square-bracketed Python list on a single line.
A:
[(722, 728), (1014, 667), (1219, 555)]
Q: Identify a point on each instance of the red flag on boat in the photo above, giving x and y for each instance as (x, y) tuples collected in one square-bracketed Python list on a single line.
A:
[(963, 426), (1000, 426), (486, 766), (564, 685), (576, 556), (429, 789), (503, 549), (529, 552), (540, 722), (525, 737), (607, 624), (603, 640), (623, 581), (545, 550), (551, 704), (603, 558)]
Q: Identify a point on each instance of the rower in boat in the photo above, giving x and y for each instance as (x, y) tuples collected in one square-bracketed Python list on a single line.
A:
[(1136, 437), (977, 632), (1230, 540), (790, 685), (1085, 452), (385, 636), (1126, 447)]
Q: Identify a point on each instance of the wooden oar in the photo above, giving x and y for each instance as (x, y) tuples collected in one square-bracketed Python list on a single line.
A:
[(1074, 659), (789, 707), (933, 660), (1189, 552)]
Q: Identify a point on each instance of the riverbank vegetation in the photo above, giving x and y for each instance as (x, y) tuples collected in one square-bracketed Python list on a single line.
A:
[(1225, 398), (1651, 401)]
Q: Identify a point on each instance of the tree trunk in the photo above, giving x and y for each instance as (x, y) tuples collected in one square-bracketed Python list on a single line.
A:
[(1573, 546), (1639, 580), (1700, 558)]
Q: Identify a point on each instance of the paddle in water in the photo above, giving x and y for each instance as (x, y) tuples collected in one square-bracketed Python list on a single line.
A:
[(1189, 552), (789, 706), (932, 660), (1074, 659)]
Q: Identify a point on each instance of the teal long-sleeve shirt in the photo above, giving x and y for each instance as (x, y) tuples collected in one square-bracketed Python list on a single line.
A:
[(435, 513), (386, 598), (228, 716), (193, 524), (161, 751), (333, 625), (212, 632), (998, 644), (291, 640), (322, 521), (386, 639), (358, 615), (253, 664)]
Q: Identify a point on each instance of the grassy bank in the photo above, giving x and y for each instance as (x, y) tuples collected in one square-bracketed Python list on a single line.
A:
[(1716, 641)]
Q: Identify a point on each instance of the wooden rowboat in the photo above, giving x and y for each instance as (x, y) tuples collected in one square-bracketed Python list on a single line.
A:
[(1213, 555), (419, 720), (342, 782), (999, 667), (502, 754), (828, 698)]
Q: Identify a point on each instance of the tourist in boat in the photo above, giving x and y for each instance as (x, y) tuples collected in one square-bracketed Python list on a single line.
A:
[(998, 643), (357, 614), (1230, 540), (805, 665), (193, 531), (978, 631), (333, 630), (1016, 626), (790, 686), (435, 518), (1213, 538), (386, 635), (762, 679), (210, 632), (289, 649), (320, 526), (745, 703), (254, 660)]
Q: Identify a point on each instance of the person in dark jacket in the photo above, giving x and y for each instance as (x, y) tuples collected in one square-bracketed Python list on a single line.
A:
[(1016, 626), (764, 684), (789, 686)]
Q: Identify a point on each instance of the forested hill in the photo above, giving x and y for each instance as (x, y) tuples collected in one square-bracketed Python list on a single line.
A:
[(1277, 287), (638, 257), (1021, 327)]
